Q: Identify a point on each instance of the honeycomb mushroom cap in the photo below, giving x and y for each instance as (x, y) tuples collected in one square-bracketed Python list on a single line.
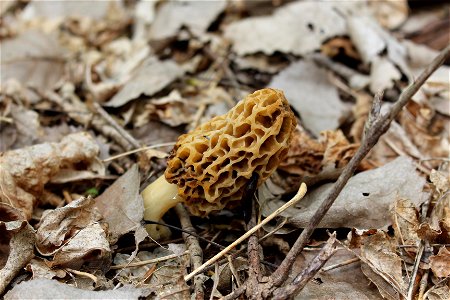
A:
[(212, 163)]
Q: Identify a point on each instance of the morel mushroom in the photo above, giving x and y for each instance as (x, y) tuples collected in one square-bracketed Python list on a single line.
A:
[(210, 166)]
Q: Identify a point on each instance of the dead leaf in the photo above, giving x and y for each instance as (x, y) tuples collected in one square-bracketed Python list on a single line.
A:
[(121, 205), (197, 16), (383, 74), (405, 222), (58, 226), (312, 95), (34, 58), (52, 289), (440, 181), (298, 28), (364, 202), (380, 252), (152, 76), (440, 263), (390, 14), (40, 268), (24, 172), (89, 248), (16, 249)]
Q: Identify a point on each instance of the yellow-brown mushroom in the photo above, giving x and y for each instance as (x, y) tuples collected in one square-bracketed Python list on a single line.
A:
[(210, 166)]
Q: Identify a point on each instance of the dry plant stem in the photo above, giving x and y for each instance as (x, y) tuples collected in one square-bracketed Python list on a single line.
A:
[(84, 274), (376, 126), (193, 246), (314, 266), (420, 251), (116, 126), (147, 262), (300, 194), (341, 264), (254, 258)]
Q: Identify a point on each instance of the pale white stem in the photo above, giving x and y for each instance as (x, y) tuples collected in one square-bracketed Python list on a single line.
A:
[(159, 197)]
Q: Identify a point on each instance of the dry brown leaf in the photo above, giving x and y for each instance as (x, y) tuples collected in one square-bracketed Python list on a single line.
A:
[(121, 205), (165, 281), (405, 222), (438, 293), (34, 58), (152, 76), (40, 268), (24, 172), (16, 249), (364, 202), (195, 15), (89, 248), (312, 95), (440, 263), (380, 252), (390, 14), (297, 28), (440, 181), (58, 226), (437, 229)]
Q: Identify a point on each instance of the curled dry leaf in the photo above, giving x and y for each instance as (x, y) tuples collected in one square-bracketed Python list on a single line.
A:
[(405, 222), (40, 268), (309, 156), (379, 250), (24, 172), (440, 263), (89, 248), (16, 249), (72, 235), (60, 225)]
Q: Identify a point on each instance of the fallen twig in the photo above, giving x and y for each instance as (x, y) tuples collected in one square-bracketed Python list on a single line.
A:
[(302, 279), (300, 194), (193, 246)]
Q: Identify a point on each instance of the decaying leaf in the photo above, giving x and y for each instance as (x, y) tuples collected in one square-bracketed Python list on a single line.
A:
[(380, 252), (121, 205), (405, 222), (309, 156), (437, 229), (153, 75), (34, 58), (52, 289), (16, 249), (195, 15), (164, 280), (24, 172), (440, 263), (390, 14), (364, 202), (440, 181), (57, 227), (296, 28), (89, 248), (312, 95), (40, 268)]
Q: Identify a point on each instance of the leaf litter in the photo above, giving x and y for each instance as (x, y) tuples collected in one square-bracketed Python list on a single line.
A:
[(158, 79)]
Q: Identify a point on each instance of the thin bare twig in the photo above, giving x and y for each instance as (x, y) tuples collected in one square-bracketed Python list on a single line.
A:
[(116, 126), (305, 276), (300, 194), (193, 246)]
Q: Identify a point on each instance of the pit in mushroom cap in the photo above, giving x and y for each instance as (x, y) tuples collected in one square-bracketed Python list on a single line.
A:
[(211, 164)]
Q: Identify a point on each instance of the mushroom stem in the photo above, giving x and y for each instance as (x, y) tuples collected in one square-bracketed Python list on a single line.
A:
[(159, 197)]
